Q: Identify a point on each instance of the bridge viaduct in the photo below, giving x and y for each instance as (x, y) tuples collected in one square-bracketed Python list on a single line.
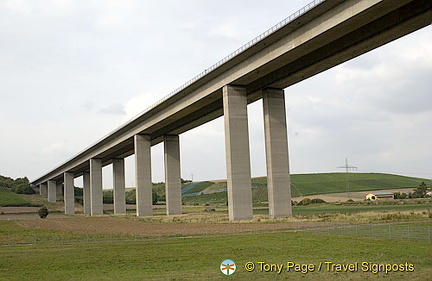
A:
[(316, 38)]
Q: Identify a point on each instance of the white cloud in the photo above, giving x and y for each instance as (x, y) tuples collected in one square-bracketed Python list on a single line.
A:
[(138, 104), (65, 64), (22, 7)]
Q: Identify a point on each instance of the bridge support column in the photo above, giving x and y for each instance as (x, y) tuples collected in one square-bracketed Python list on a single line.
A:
[(43, 189), (86, 193), (96, 196), (237, 153), (172, 174), (52, 191), (276, 144), (59, 190), (143, 182), (119, 186), (69, 197)]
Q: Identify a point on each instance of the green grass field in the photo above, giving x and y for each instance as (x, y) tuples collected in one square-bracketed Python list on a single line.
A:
[(333, 208), (9, 199), (199, 258), (311, 184)]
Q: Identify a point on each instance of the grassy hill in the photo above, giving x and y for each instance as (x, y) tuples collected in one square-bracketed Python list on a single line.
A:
[(10, 199), (306, 185)]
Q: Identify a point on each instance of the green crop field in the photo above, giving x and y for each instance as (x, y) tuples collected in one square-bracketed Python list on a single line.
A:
[(8, 198), (314, 184), (310, 184), (199, 258)]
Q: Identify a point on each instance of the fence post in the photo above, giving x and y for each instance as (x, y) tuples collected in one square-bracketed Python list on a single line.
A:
[(409, 234), (372, 230), (429, 233), (389, 231)]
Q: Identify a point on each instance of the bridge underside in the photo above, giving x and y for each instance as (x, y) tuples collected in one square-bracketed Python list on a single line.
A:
[(327, 35)]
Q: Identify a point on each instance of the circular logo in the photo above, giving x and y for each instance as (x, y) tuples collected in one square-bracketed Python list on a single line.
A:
[(228, 267)]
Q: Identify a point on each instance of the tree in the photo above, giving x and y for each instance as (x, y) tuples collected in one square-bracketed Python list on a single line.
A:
[(420, 192), (22, 186), (155, 197)]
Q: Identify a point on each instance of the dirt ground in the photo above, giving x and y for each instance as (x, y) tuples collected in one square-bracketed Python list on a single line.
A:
[(27, 217), (137, 227)]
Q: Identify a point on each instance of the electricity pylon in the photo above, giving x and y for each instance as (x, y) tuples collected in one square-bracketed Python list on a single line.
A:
[(347, 169)]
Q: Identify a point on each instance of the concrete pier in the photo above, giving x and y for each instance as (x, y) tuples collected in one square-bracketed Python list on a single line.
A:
[(86, 193), (143, 181), (317, 38), (119, 186), (69, 197), (237, 153), (59, 190), (96, 196), (43, 189), (172, 174), (52, 191), (276, 144)]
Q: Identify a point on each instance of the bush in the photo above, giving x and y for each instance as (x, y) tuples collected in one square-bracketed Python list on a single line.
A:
[(78, 191), (22, 186), (304, 202), (43, 212), (108, 197), (131, 196), (399, 195), (155, 197), (317, 201)]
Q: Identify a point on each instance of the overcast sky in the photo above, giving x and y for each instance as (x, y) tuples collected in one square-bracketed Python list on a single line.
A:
[(73, 71)]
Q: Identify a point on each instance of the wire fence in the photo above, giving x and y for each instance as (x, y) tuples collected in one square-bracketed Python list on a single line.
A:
[(401, 232)]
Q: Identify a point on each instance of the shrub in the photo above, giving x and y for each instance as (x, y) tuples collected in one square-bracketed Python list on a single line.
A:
[(43, 212), (78, 191), (108, 197), (304, 202), (22, 186), (317, 201), (400, 195), (131, 196), (155, 197)]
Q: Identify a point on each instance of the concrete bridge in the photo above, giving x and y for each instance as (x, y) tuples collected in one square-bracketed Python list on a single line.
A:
[(314, 39)]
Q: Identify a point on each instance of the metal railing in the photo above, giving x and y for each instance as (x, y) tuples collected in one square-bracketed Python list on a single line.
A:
[(238, 51), (210, 69)]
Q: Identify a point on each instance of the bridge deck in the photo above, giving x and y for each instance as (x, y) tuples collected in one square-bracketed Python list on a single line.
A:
[(329, 33)]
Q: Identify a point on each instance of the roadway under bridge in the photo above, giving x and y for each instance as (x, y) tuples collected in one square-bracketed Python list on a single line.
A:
[(314, 39)]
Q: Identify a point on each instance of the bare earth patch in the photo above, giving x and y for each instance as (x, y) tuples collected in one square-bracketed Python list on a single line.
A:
[(18, 210), (136, 227)]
